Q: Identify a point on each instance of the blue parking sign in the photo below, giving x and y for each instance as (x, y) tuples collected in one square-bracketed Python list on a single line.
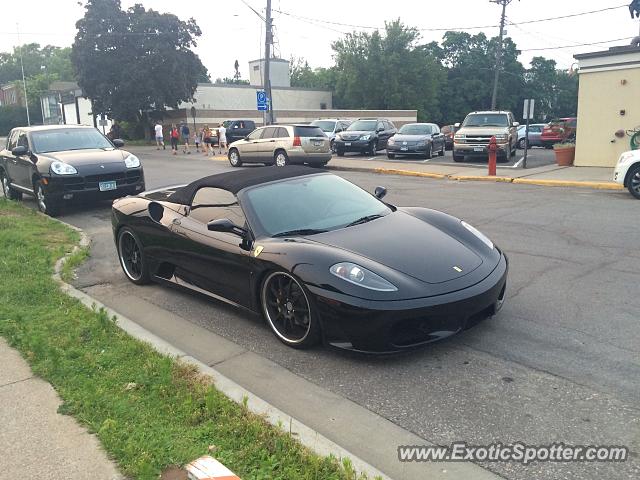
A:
[(262, 100)]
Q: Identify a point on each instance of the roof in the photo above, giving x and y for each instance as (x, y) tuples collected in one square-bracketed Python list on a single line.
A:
[(482, 112), (619, 50), (237, 180)]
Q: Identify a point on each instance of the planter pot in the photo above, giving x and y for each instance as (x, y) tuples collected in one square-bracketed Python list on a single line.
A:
[(565, 156)]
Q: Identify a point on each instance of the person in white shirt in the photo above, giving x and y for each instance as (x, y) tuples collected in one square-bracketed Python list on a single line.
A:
[(159, 136), (222, 138)]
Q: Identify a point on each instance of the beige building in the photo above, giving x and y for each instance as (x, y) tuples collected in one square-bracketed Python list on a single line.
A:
[(608, 102)]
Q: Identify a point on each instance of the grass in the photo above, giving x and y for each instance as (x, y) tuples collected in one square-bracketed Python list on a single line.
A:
[(149, 411)]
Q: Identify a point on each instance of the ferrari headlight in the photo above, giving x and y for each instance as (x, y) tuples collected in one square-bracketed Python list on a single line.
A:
[(358, 275), (132, 161), (365, 137), (61, 168), (479, 234)]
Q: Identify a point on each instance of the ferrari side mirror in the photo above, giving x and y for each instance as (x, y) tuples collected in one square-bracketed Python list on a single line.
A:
[(380, 192), (227, 226)]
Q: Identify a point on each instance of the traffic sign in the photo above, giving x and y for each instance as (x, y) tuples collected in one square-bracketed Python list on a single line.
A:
[(529, 106), (262, 100)]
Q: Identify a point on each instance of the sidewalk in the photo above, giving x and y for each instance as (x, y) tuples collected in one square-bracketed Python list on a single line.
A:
[(36, 441), (548, 175)]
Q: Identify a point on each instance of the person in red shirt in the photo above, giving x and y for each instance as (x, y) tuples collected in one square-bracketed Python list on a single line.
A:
[(175, 135)]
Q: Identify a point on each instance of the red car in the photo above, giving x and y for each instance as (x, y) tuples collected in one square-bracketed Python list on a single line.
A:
[(558, 131)]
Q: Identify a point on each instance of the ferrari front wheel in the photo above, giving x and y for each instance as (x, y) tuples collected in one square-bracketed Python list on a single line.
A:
[(288, 312)]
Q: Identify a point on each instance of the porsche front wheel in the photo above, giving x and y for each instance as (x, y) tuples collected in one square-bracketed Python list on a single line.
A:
[(131, 257), (288, 312)]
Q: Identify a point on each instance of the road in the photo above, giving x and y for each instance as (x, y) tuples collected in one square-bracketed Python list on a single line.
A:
[(559, 363)]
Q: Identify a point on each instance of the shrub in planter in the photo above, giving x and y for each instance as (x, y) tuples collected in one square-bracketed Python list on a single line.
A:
[(565, 153)]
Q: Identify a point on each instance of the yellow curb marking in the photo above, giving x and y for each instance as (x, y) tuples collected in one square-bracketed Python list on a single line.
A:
[(392, 171), (474, 178), (569, 183)]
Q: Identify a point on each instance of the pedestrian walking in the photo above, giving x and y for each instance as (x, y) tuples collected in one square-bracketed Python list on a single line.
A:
[(222, 139), (159, 137), (206, 138), (185, 138), (197, 136), (175, 136)]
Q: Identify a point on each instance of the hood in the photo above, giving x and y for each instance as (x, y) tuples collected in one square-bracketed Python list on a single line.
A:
[(87, 157), (488, 131), (418, 248), (410, 138)]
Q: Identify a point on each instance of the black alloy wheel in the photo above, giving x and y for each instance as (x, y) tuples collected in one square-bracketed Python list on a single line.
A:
[(131, 257), (633, 182), (287, 310)]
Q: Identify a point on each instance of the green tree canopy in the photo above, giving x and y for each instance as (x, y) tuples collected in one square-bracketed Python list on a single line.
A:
[(49, 60), (132, 61)]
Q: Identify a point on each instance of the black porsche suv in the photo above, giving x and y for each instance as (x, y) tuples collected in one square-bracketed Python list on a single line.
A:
[(365, 135), (65, 163)]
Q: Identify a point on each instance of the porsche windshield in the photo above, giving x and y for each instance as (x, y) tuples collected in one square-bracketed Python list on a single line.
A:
[(312, 204), (63, 139)]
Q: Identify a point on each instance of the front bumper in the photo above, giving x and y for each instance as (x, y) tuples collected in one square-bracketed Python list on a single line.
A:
[(399, 149), (478, 149), (352, 145), (395, 326), (73, 187)]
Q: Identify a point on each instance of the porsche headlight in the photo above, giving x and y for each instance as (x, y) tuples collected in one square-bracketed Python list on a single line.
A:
[(132, 161), (365, 137), (479, 234), (61, 168), (358, 275)]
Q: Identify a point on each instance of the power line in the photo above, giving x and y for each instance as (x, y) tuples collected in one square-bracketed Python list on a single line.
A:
[(577, 45), (570, 15)]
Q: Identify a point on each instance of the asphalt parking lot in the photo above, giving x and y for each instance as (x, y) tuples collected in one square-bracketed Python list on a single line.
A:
[(536, 157), (559, 363)]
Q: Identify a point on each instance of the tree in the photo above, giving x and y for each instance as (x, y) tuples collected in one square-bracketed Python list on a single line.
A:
[(387, 71), (135, 61), (303, 76), (555, 91), (49, 59)]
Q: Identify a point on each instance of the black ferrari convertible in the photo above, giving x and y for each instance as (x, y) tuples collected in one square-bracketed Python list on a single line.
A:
[(319, 257)]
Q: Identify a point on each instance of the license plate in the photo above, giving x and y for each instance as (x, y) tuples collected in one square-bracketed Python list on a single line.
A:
[(347, 144), (318, 143), (478, 149), (404, 149), (104, 186)]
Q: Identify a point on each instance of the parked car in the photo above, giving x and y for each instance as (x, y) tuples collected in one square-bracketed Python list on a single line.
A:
[(365, 135), (535, 132), (282, 145), (558, 131), (472, 137), (423, 139), (316, 256), (238, 129), (67, 163), (331, 127), (449, 132), (627, 172)]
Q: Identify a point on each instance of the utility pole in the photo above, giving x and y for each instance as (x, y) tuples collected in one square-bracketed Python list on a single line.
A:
[(24, 82), (268, 40), (496, 77)]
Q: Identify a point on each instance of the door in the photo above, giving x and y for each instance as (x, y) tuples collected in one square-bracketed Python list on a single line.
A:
[(214, 261), (16, 164), (266, 145), (25, 166), (437, 139), (249, 150)]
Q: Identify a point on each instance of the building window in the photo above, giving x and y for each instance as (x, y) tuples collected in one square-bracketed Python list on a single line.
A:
[(256, 68), (323, 106)]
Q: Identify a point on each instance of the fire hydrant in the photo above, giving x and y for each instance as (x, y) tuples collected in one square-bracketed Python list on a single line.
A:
[(493, 153)]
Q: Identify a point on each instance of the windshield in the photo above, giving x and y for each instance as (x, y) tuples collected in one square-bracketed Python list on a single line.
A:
[(68, 139), (314, 202), (325, 125), (486, 120), (363, 125), (415, 129)]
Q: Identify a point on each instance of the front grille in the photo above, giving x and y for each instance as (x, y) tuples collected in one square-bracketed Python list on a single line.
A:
[(478, 139), (91, 182), (350, 137), (415, 331)]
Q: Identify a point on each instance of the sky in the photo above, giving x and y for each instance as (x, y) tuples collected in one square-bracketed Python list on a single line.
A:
[(231, 30)]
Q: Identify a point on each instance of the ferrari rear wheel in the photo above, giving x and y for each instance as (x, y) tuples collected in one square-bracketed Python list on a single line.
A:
[(131, 257), (287, 309)]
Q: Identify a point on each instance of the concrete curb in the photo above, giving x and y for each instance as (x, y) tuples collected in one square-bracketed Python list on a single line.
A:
[(481, 178), (307, 436)]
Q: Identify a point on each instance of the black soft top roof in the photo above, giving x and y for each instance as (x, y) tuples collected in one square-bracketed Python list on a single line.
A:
[(238, 180)]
